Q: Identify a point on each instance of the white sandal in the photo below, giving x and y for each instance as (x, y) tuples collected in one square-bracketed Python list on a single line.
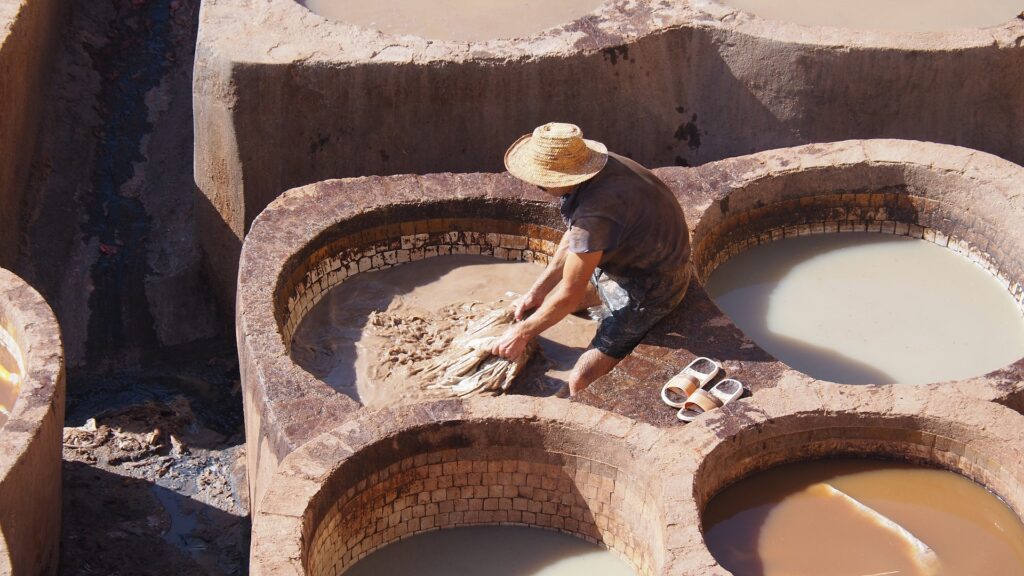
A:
[(701, 401), (692, 378)]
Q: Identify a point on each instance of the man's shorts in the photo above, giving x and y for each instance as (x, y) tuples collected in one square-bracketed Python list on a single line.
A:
[(633, 306)]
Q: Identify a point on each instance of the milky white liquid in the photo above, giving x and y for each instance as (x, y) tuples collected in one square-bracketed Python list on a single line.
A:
[(870, 308), (491, 551), (465, 20), (897, 15)]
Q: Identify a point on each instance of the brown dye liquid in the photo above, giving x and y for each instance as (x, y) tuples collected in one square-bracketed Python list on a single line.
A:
[(9, 384), (897, 15), (491, 551), (463, 20), (334, 343), (781, 523), (864, 308)]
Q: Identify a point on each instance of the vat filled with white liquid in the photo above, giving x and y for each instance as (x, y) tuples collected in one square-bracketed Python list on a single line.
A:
[(862, 308), (894, 15), (491, 551), (462, 20)]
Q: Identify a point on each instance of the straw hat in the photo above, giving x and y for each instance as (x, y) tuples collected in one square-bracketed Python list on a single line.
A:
[(555, 155)]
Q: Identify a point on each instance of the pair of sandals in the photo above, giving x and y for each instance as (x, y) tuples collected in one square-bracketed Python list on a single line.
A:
[(686, 392)]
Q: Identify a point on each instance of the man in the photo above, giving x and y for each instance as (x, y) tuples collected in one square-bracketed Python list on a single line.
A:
[(626, 242)]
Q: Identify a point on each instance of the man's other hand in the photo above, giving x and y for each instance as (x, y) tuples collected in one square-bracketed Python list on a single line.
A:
[(526, 303), (512, 343)]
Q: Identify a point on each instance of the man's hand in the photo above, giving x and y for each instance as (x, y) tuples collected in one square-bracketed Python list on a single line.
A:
[(526, 303), (512, 343)]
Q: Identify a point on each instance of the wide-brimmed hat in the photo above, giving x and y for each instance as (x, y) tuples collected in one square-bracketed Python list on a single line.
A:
[(555, 155)]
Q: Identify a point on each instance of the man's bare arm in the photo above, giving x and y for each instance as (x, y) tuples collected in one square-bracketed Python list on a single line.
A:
[(563, 300), (547, 280)]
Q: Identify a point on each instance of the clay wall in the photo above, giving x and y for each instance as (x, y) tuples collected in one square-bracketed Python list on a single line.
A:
[(28, 34)]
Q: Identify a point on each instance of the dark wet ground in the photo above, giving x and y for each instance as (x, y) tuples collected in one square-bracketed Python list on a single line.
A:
[(153, 477)]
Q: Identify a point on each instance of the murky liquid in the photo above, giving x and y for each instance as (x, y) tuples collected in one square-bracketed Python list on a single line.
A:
[(870, 308), (787, 522), (334, 343), (10, 374), (898, 15), (491, 551), (465, 20)]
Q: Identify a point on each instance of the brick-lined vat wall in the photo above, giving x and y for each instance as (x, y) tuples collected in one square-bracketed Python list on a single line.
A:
[(29, 30), (416, 232), (303, 99), (480, 486), (915, 199), (30, 441)]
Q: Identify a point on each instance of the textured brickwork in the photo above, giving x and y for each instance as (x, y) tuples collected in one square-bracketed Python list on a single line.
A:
[(470, 487), (896, 213), (387, 246)]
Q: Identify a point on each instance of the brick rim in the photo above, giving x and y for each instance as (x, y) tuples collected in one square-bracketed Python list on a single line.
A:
[(968, 436), (305, 487), (31, 449)]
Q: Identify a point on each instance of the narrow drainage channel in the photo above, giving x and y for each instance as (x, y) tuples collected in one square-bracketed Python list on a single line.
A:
[(131, 63)]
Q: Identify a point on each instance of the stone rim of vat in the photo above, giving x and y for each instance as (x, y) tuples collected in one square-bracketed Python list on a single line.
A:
[(681, 468), (286, 406), (607, 27), (30, 440)]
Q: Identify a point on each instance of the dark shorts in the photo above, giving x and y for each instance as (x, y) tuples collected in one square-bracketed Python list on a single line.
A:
[(632, 306)]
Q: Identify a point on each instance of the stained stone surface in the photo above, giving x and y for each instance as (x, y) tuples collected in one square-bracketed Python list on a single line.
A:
[(284, 97)]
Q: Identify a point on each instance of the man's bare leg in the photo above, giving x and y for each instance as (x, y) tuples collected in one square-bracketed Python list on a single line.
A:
[(592, 365), (593, 298)]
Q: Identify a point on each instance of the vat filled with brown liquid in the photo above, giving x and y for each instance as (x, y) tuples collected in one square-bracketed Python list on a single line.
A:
[(896, 15), (337, 340), (464, 20), (861, 308), (862, 517), (10, 374)]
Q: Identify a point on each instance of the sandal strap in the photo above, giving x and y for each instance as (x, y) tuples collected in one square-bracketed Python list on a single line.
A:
[(701, 399), (687, 383)]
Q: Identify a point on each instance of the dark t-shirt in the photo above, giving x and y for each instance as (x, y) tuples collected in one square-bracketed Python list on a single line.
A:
[(632, 216)]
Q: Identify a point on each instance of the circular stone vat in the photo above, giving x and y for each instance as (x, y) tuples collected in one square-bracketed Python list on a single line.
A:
[(30, 439), (459, 20), (977, 440), (904, 16), (862, 230), (871, 308), (314, 239), (401, 472)]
